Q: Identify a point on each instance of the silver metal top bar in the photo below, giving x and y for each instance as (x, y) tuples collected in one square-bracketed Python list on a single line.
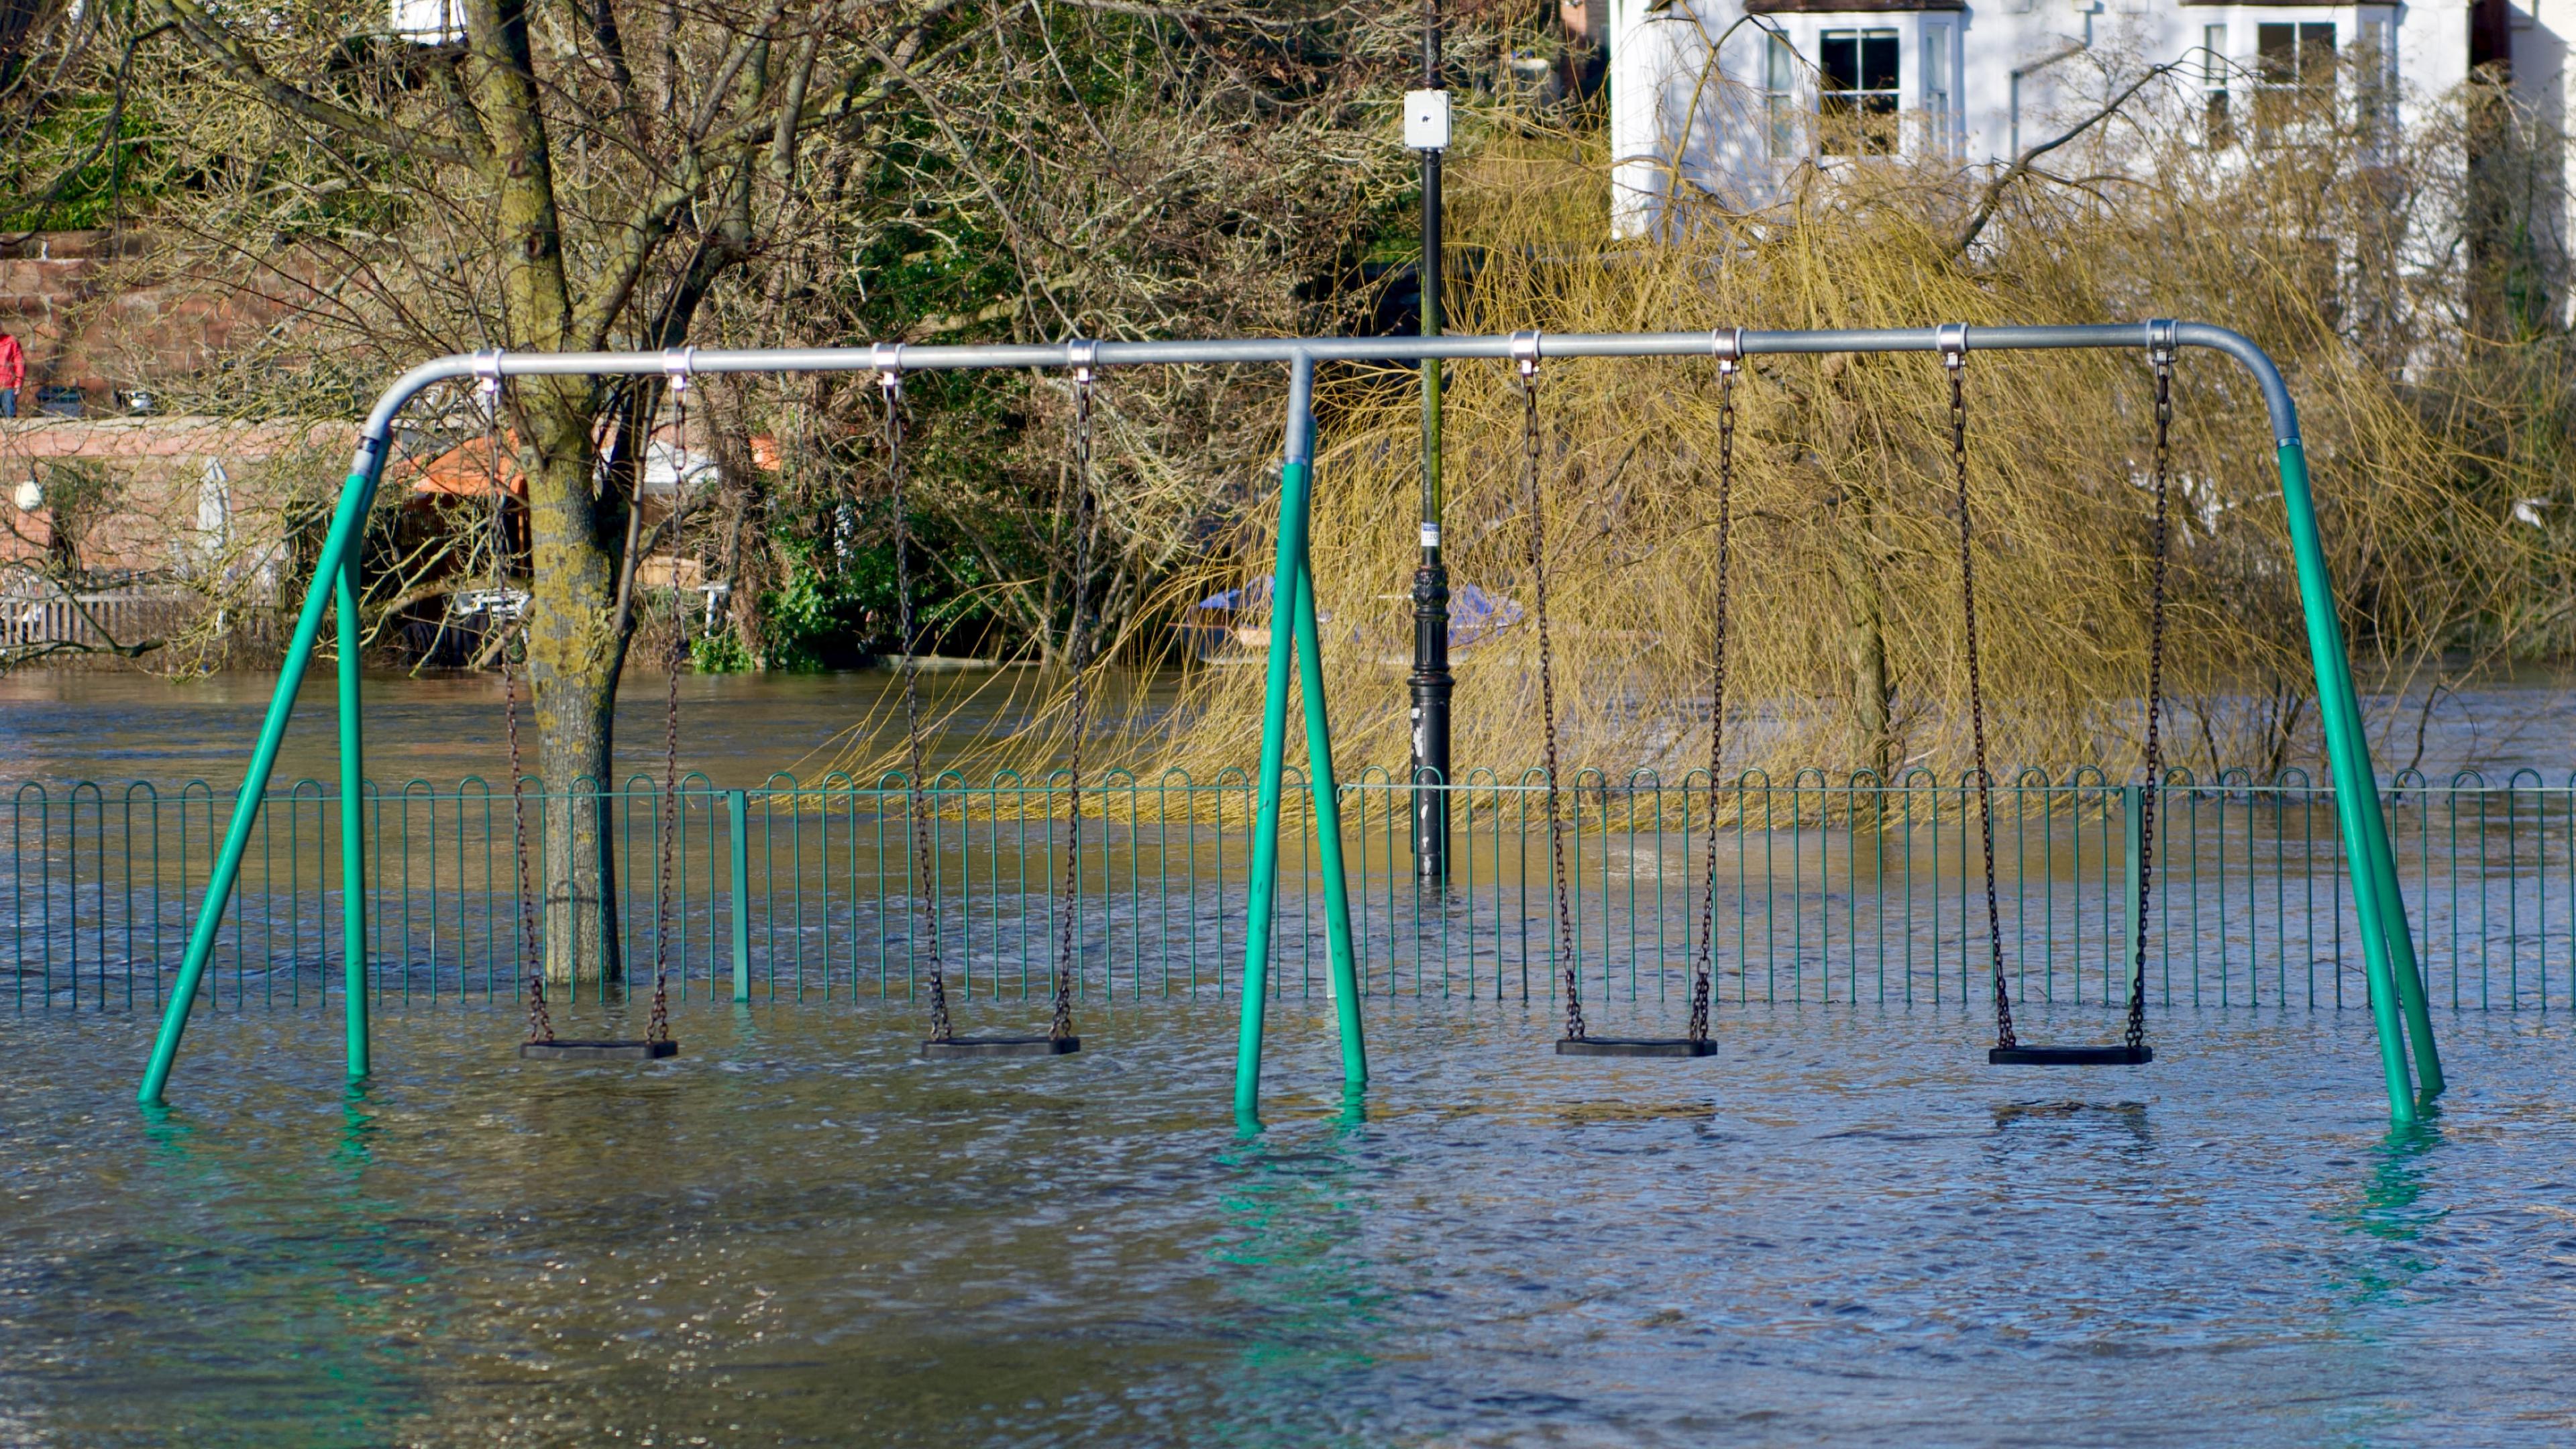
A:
[(902, 358), (1299, 446)]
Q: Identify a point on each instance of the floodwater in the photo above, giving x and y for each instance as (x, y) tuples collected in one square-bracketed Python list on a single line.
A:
[(737, 728), (1843, 1228), (115, 727)]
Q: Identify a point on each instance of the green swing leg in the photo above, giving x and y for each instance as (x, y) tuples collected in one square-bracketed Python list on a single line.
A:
[(356, 494), (353, 837), (1263, 894), (1292, 594), (2365, 831), (1328, 833)]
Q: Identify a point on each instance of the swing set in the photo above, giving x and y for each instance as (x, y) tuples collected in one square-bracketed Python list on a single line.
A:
[(2397, 998)]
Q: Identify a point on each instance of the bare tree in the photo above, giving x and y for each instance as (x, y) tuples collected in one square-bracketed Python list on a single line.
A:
[(623, 173)]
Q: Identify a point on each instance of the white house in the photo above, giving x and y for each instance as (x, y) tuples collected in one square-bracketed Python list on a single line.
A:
[(429, 22), (1722, 96)]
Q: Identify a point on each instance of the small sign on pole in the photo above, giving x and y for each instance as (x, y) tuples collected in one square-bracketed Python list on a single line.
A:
[(1426, 120)]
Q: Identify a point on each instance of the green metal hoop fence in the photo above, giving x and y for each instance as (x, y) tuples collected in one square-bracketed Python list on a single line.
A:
[(1834, 890)]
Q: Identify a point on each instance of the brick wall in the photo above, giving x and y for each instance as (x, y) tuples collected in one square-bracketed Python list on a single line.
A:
[(85, 323), (163, 516)]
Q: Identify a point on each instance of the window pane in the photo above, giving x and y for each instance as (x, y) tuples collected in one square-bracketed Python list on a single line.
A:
[(2278, 48), (2316, 54), (1838, 58), (1776, 65), (1878, 60)]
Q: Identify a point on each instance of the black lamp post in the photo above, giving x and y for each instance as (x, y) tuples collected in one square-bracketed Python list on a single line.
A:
[(1426, 129)]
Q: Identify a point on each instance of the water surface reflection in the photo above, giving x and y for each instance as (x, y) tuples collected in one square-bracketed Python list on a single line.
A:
[(1843, 1228)]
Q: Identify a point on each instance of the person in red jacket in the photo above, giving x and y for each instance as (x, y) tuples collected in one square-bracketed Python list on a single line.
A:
[(13, 374)]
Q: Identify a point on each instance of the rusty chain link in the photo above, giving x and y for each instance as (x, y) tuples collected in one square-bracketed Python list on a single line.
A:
[(541, 1025), (1954, 356), (2161, 547), (1702, 975), (1085, 524), (1572, 981), (673, 653), (890, 383)]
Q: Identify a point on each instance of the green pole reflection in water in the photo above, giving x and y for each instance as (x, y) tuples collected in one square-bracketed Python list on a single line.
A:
[(2390, 1209), (294, 1258), (357, 1129), (1296, 1257)]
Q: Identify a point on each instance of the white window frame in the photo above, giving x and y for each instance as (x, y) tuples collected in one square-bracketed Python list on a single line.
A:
[(2217, 86), (427, 22), (1780, 109), (2275, 92), (2375, 41), (1892, 95), (1941, 111)]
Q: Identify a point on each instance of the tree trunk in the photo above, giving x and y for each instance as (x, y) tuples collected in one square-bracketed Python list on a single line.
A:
[(574, 659), (750, 556), (1864, 638), (574, 652)]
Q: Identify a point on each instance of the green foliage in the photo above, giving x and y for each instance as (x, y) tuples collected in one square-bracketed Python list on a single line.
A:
[(115, 175), (807, 618), (720, 653), (838, 604)]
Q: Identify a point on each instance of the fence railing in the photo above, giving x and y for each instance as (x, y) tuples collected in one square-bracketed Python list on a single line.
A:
[(119, 617), (1828, 890)]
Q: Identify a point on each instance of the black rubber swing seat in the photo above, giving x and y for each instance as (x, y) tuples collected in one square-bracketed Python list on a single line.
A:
[(565, 1049), (1634, 1046), (2074, 1056), (970, 1048)]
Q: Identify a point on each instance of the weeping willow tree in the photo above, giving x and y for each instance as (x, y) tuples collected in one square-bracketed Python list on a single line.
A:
[(1847, 645)]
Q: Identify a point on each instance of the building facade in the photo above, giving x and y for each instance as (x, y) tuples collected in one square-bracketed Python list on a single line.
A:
[(1722, 97)]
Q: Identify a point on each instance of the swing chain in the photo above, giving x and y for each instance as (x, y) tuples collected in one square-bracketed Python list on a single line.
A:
[(487, 374), (1701, 982), (1086, 357), (674, 656), (2160, 352), (1525, 353), (1954, 356), (678, 364), (889, 361), (541, 1027)]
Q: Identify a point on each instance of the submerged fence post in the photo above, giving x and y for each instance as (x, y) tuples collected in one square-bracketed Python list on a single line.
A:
[(353, 838), (738, 862)]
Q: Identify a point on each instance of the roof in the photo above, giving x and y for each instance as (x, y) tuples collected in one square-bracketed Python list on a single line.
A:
[(467, 471)]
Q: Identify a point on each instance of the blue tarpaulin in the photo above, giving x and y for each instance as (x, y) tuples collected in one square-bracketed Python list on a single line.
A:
[(1473, 613)]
